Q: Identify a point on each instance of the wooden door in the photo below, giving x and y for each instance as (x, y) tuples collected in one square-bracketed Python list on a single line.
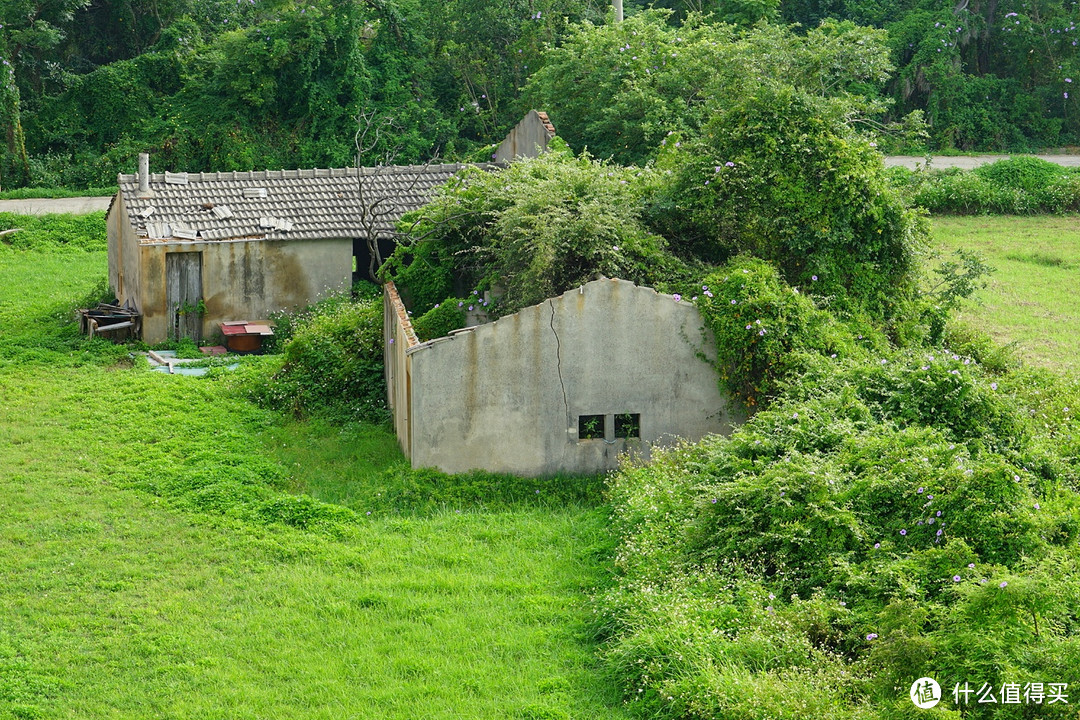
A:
[(183, 294)]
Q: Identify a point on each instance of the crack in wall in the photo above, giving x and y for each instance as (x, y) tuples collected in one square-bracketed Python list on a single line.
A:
[(558, 358)]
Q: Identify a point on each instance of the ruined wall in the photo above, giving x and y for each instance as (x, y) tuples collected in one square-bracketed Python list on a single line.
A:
[(244, 280), (398, 338), (529, 138), (508, 396)]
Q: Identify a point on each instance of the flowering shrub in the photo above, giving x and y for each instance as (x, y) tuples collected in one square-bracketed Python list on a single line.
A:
[(886, 518), (759, 322), (779, 176)]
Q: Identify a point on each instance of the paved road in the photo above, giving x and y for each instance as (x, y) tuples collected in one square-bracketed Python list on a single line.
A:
[(968, 162), (44, 206)]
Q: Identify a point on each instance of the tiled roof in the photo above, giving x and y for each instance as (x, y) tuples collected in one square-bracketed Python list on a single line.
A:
[(279, 204)]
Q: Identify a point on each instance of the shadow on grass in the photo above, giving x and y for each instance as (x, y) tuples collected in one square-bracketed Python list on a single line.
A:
[(360, 466)]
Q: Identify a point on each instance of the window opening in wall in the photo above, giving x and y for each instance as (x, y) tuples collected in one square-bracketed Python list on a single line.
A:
[(628, 425), (590, 427)]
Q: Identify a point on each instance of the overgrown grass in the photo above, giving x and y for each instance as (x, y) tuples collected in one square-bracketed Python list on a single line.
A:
[(893, 513), (165, 553), (1030, 300)]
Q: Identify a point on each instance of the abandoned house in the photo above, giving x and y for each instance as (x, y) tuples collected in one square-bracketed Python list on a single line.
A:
[(564, 386), (189, 251)]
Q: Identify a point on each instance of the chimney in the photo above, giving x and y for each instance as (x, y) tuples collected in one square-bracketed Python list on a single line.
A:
[(144, 175)]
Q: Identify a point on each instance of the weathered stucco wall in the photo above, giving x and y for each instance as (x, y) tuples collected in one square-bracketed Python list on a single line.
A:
[(123, 253), (244, 280), (507, 396), (529, 138)]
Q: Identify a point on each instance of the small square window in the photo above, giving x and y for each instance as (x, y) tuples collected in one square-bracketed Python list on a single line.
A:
[(628, 425), (590, 427)]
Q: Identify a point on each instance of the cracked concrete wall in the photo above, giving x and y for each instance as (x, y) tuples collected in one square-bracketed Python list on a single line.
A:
[(507, 396)]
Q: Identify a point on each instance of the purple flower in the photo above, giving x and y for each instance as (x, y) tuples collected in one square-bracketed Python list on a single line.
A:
[(677, 297), (470, 308), (1037, 506), (714, 501), (872, 636), (939, 532), (814, 278), (761, 333), (1003, 584), (903, 532), (729, 164), (920, 490), (993, 386), (956, 578), (938, 514), (877, 546), (971, 565)]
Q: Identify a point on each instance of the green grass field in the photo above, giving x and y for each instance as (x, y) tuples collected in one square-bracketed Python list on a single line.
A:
[(1031, 299), (170, 550), (154, 561)]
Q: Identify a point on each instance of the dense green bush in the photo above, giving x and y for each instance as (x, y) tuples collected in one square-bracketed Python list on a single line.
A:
[(531, 231), (333, 363), (1015, 186), (887, 518), (441, 319), (761, 325), (778, 176)]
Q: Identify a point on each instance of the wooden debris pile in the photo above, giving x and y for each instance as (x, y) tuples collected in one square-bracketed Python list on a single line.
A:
[(108, 318)]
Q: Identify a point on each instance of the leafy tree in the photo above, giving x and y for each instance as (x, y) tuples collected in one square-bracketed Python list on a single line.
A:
[(620, 89), (783, 177)]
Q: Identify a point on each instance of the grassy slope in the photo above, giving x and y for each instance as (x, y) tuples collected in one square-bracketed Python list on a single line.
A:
[(121, 600), (1024, 303)]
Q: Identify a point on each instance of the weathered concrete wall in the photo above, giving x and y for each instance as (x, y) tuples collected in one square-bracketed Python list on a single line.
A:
[(507, 396), (399, 337), (529, 138), (244, 280), (123, 253)]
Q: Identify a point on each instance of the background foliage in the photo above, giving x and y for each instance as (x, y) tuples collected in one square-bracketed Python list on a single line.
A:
[(219, 85)]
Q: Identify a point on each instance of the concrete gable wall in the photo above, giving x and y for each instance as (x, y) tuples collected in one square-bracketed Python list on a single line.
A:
[(506, 396), (528, 138)]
